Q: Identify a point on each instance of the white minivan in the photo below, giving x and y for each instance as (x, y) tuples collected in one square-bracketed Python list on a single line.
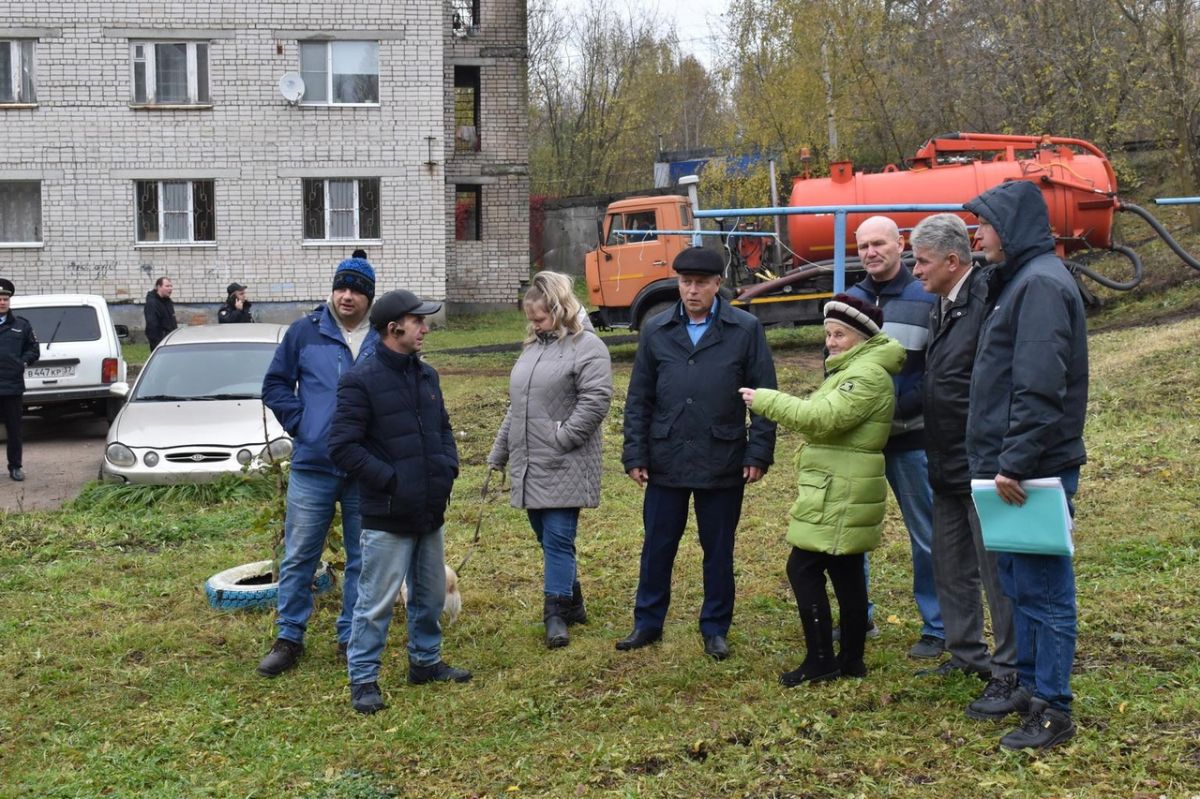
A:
[(80, 353)]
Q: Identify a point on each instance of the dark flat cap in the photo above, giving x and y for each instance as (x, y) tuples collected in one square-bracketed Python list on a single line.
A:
[(699, 261)]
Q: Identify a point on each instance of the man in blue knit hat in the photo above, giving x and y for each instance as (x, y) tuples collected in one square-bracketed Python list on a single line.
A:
[(300, 388)]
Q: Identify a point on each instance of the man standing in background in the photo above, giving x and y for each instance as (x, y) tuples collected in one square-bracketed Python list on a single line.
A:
[(159, 311)]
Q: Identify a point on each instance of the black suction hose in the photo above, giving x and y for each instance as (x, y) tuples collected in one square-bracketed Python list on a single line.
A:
[(1162, 233), (1077, 267)]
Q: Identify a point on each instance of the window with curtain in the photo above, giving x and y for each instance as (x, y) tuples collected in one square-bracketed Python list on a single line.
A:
[(341, 208), (175, 211), (16, 71), (340, 73), (20, 212), (170, 73)]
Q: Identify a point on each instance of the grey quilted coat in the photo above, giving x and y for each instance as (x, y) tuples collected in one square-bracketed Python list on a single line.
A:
[(559, 394)]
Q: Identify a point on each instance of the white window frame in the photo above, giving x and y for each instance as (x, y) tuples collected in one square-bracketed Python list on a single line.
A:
[(147, 58), (16, 62), (329, 75), (191, 240), (41, 231), (328, 210)]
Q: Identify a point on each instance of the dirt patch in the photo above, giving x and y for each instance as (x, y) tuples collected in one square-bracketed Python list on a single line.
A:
[(60, 455)]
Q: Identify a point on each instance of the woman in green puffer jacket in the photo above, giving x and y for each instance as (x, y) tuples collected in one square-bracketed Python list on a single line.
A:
[(838, 512)]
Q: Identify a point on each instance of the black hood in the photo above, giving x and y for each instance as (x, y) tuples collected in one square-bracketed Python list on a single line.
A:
[(1017, 210)]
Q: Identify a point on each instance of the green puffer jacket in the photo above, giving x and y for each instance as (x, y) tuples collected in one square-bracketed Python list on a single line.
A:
[(847, 420)]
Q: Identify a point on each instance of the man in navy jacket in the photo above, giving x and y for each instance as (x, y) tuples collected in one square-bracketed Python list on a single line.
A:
[(392, 434), (906, 306), (300, 388), (686, 438)]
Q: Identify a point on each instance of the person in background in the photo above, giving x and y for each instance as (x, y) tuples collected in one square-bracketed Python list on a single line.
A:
[(559, 393), (236, 309), (300, 388), (686, 439), (159, 311), (838, 512), (18, 350)]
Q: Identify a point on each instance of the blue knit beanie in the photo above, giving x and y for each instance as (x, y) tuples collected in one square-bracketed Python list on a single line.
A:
[(357, 275)]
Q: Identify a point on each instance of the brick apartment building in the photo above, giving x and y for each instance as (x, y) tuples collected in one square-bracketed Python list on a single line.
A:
[(141, 139)]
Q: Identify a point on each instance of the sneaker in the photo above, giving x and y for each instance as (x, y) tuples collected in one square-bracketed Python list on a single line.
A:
[(284, 655), (927, 648), (872, 632), (950, 667), (365, 698), (1002, 696), (438, 672), (1042, 728)]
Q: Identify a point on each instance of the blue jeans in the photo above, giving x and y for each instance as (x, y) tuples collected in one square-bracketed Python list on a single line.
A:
[(311, 497), (908, 475), (1042, 590), (555, 529), (387, 559)]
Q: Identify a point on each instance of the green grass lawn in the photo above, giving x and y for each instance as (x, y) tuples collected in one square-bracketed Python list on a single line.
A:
[(120, 681)]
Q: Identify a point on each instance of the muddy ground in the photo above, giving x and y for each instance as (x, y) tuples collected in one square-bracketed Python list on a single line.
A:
[(60, 456)]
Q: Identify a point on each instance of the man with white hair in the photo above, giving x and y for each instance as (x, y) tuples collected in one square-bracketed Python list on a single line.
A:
[(906, 307)]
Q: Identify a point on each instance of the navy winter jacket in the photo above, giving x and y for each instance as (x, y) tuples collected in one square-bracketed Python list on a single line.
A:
[(18, 350), (684, 419), (906, 308), (300, 386), (1029, 386), (392, 434)]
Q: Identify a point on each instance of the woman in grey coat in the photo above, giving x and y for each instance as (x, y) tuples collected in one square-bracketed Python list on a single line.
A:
[(559, 393)]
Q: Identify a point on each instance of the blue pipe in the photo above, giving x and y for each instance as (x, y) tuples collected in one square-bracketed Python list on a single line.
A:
[(1178, 200)]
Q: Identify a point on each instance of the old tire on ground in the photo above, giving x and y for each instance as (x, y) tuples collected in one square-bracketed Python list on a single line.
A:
[(231, 589)]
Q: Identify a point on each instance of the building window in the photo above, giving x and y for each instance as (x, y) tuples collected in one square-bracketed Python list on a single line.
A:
[(340, 73), (175, 211), (20, 212), (465, 19), (466, 109), (468, 221), (341, 209), (16, 71), (170, 73)]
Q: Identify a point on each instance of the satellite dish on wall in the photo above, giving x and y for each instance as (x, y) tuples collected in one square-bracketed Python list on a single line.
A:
[(291, 86)]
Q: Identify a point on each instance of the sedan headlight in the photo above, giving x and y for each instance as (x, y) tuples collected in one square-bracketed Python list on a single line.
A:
[(279, 449), (150, 459), (120, 455)]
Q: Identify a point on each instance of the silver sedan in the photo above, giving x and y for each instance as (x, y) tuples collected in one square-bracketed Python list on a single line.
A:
[(196, 410)]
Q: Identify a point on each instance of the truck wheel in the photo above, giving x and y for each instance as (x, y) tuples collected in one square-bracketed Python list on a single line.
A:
[(655, 308), (249, 586)]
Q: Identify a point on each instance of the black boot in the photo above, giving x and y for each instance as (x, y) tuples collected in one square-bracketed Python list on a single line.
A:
[(556, 625), (575, 612), (820, 664)]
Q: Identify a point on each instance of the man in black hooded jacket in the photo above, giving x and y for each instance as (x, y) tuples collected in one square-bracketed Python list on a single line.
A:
[(1028, 400), (159, 311)]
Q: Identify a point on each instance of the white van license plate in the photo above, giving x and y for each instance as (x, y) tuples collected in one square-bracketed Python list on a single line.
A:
[(49, 371)]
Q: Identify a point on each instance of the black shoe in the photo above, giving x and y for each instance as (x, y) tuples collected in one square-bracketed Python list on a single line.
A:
[(950, 667), (365, 698), (855, 669), (16, 474), (284, 655), (928, 647), (821, 672), (1003, 695), (438, 672), (639, 638), (1042, 728), (716, 647), (556, 625), (340, 653), (576, 612)]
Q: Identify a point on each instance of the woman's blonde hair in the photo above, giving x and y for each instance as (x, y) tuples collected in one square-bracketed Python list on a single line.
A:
[(555, 292)]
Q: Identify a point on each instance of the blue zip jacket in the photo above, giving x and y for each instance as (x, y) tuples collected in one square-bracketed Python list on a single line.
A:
[(906, 308), (300, 387), (1029, 386)]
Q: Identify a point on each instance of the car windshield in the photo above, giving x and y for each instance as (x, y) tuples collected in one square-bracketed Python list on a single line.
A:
[(64, 323), (215, 371)]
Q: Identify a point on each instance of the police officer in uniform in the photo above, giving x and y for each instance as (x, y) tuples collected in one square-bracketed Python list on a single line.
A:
[(18, 350)]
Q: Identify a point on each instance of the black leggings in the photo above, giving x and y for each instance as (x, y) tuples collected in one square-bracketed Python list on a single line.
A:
[(11, 409), (806, 572)]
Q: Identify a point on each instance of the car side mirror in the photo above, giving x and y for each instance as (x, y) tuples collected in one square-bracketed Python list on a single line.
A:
[(122, 332), (119, 390)]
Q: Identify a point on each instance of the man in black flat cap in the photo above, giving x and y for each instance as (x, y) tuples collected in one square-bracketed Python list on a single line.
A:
[(18, 350), (236, 309), (686, 439)]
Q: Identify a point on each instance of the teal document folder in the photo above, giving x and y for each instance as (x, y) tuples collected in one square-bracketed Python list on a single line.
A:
[(1042, 526)]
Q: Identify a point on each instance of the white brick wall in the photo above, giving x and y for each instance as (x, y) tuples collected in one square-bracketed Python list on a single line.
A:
[(87, 145)]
